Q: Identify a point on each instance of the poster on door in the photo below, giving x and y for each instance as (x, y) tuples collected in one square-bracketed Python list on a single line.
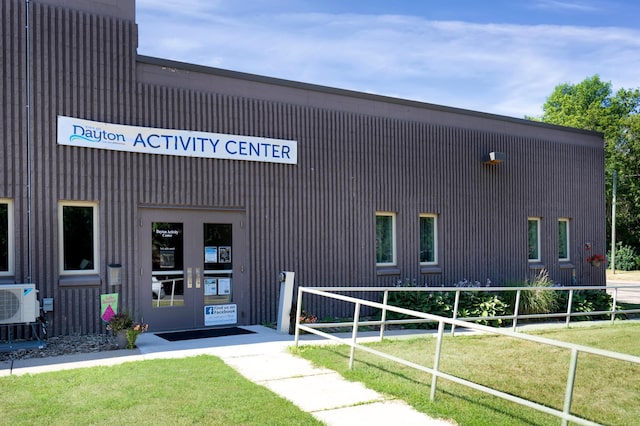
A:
[(210, 287), (220, 314), (224, 286)]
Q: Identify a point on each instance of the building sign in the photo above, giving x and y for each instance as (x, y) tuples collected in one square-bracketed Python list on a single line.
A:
[(220, 314), (185, 143)]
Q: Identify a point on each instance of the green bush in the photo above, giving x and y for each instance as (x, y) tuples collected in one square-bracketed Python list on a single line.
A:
[(588, 301), (482, 304), (626, 258), (435, 303), (471, 304)]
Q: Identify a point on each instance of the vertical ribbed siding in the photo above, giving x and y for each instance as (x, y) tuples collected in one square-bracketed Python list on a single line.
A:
[(13, 117), (316, 218), (82, 66)]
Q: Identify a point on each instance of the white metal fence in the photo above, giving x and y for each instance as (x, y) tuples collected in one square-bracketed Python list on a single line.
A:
[(564, 414)]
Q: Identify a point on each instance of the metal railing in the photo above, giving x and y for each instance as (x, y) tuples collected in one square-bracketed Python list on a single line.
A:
[(567, 313), (564, 414), (173, 282)]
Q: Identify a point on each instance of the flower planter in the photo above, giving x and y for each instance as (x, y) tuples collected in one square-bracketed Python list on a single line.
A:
[(121, 339)]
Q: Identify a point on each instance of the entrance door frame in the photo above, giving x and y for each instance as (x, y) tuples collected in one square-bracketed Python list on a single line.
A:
[(191, 315)]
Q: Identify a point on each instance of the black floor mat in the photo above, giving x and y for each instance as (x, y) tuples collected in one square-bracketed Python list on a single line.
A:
[(203, 334)]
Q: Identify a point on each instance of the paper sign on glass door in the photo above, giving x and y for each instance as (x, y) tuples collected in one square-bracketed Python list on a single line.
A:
[(211, 254), (224, 286), (210, 286)]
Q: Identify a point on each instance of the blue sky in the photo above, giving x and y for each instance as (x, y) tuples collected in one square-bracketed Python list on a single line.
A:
[(497, 56)]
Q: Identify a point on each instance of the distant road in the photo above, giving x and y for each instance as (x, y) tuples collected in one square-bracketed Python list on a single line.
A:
[(631, 295)]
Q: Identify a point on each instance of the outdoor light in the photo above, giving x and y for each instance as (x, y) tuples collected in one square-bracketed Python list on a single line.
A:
[(115, 274), (494, 157)]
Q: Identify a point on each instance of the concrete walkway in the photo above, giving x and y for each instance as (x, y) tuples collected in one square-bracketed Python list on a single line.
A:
[(263, 358)]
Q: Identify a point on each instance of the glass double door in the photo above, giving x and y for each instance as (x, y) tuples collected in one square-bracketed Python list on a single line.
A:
[(191, 268)]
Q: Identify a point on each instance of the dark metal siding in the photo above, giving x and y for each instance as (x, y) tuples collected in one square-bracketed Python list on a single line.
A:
[(358, 154), (82, 65)]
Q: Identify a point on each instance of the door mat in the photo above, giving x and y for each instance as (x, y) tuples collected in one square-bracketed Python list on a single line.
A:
[(203, 333)]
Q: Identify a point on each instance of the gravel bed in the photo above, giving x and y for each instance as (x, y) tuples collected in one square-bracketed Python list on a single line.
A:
[(64, 345)]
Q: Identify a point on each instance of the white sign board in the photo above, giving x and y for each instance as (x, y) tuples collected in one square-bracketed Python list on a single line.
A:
[(185, 143), (220, 314)]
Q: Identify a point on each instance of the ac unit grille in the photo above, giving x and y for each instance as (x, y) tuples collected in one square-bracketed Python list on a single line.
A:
[(9, 305)]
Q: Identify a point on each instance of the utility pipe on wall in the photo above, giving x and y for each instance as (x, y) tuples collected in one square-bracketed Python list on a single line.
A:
[(28, 141)]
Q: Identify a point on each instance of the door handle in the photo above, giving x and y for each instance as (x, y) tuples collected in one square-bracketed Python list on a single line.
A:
[(197, 277), (189, 278)]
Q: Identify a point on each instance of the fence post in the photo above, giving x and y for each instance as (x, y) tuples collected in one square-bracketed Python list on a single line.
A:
[(456, 304), (615, 302), (436, 361), (354, 334), (569, 303), (568, 395), (516, 309), (298, 313), (383, 318)]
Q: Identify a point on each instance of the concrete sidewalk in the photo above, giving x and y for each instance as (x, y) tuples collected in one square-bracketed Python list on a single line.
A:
[(263, 358)]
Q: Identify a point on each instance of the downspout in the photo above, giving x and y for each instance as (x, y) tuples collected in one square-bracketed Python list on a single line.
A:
[(28, 136)]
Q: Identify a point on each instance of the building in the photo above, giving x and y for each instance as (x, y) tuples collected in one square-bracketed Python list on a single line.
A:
[(203, 184)]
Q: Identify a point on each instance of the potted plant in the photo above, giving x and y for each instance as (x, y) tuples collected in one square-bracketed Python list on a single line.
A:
[(132, 333), (126, 332), (596, 259), (118, 324)]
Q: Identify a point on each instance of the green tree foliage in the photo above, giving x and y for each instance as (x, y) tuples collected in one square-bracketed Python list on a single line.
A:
[(592, 105)]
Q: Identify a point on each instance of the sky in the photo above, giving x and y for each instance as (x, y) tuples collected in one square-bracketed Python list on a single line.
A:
[(498, 56)]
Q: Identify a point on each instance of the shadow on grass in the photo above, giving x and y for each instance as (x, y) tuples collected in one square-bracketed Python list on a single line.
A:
[(514, 414)]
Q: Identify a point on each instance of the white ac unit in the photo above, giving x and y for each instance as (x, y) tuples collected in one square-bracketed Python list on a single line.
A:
[(18, 303)]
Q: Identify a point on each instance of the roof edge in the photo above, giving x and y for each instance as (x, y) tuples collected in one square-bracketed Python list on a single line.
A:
[(350, 93)]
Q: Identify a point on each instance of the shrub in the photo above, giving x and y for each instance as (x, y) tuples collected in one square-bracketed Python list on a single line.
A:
[(589, 301), (482, 304), (626, 257), (535, 301), (472, 304), (435, 303)]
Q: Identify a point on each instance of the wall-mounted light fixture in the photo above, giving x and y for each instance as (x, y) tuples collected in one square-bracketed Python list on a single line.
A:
[(494, 157), (115, 274)]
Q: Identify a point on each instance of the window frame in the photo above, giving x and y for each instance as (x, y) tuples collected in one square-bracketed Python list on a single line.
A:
[(394, 251), (538, 221), (435, 238), (96, 237), (10, 238), (567, 238)]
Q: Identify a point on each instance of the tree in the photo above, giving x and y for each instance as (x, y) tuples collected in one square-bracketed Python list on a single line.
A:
[(591, 105)]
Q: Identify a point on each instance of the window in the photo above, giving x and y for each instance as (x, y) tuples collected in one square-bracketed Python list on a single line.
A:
[(534, 239), (563, 239), (428, 240), (385, 239), (78, 225), (6, 237)]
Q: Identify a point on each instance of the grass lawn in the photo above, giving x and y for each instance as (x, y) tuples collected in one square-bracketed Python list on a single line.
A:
[(198, 390), (606, 391)]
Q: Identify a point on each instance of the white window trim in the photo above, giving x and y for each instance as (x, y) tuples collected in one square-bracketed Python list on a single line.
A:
[(435, 239), (11, 237), (96, 239), (539, 221), (394, 251), (568, 222)]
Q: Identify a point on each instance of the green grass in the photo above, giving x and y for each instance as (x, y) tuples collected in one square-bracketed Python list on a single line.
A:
[(607, 391), (198, 390)]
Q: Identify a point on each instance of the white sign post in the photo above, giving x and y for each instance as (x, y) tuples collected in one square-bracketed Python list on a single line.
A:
[(286, 301)]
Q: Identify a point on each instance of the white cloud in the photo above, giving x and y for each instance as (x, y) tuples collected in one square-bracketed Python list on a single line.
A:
[(573, 6), (505, 69)]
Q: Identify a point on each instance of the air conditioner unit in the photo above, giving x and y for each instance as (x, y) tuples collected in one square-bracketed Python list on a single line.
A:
[(18, 303)]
